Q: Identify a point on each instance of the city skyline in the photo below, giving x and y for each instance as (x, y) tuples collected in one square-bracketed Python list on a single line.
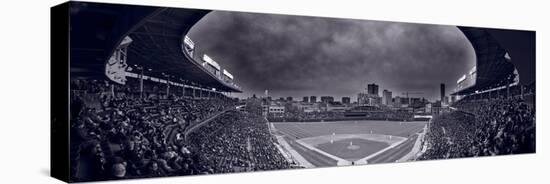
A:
[(303, 56), (353, 97)]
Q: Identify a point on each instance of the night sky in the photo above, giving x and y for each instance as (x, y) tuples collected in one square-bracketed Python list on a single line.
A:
[(302, 56)]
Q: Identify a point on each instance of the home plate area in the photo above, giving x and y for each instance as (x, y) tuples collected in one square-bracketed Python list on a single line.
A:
[(351, 149)]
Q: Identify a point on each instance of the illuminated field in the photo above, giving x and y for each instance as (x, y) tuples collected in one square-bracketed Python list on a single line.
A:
[(350, 142), (352, 149)]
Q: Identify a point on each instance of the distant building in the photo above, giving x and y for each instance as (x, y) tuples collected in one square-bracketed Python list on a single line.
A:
[(416, 102), (308, 107), (376, 101), (312, 99), (397, 101), (327, 99), (362, 98), (404, 101), (346, 100), (336, 107), (442, 91), (306, 99), (372, 89), (368, 99), (428, 108), (289, 99), (386, 97), (274, 109)]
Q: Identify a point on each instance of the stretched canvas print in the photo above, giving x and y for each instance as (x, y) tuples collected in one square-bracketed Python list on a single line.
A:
[(143, 91)]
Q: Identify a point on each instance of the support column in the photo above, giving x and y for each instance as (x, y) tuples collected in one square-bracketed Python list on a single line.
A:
[(167, 88), (521, 87), (182, 91), (507, 91), (141, 85), (113, 90)]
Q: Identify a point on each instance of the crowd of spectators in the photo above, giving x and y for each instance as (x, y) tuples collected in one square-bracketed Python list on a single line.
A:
[(486, 127), (116, 135), (237, 141)]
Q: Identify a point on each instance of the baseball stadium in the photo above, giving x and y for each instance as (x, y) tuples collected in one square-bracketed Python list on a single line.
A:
[(146, 101)]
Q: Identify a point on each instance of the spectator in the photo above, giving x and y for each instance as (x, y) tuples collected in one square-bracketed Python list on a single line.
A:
[(130, 137), (482, 128)]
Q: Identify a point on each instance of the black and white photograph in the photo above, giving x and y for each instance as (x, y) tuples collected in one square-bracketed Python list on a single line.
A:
[(274, 91), (159, 91)]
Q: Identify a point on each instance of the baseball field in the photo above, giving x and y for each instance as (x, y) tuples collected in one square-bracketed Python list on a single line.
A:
[(322, 144)]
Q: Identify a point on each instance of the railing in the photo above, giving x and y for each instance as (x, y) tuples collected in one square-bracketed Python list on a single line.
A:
[(205, 121)]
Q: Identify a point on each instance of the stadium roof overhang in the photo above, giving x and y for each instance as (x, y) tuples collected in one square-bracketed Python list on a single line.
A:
[(492, 67), (157, 35)]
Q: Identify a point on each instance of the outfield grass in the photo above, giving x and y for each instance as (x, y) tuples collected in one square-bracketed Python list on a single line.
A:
[(300, 130), (317, 133), (359, 148)]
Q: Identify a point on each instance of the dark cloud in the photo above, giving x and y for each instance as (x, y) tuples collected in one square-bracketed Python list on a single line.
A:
[(302, 56)]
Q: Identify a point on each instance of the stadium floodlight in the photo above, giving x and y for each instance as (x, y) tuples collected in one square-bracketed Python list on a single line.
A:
[(189, 42), (461, 79), (210, 61), (226, 73)]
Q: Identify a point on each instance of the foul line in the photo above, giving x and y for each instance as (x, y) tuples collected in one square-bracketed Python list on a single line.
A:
[(339, 160), (364, 160), (416, 148), (293, 153)]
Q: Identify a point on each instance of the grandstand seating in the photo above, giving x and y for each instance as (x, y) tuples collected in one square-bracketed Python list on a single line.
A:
[(120, 136), (237, 141), (496, 126)]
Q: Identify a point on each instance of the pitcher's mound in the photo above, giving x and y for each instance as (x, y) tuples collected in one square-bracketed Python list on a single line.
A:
[(353, 147)]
